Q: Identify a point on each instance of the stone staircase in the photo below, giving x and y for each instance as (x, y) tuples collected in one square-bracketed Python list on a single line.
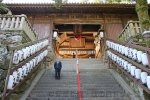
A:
[(97, 83)]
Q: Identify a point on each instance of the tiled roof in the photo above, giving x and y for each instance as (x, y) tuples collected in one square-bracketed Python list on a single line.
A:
[(52, 2), (48, 8)]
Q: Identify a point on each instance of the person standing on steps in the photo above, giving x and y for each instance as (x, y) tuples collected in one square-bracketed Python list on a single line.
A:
[(73, 56), (57, 67)]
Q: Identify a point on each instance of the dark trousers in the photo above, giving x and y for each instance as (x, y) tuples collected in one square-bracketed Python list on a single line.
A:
[(57, 73)]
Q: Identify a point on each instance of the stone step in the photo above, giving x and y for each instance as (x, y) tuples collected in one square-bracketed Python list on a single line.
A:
[(65, 77), (56, 85), (97, 83), (75, 98), (55, 88), (54, 91), (82, 88), (54, 82), (106, 98), (82, 85), (51, 98), (55, 94), (85, 94), (75, 81), (100, 88)]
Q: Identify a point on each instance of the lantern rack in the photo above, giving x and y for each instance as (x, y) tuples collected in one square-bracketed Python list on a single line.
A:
[(39, 55), (133, 64)]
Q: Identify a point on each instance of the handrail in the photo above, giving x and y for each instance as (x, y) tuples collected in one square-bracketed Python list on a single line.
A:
[(11, 69), (131, 29), (138, 65), (130, 45)]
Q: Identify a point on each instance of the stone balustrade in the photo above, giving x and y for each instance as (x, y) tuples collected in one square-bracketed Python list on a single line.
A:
[(18, 24), (131, 29)]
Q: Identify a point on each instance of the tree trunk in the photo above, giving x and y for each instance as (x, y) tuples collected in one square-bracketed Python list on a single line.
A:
[(142, 12)]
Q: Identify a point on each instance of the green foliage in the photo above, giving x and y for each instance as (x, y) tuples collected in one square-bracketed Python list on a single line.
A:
[(146, 21), (59, 3), (110, 1), (2, 7), (142, 2), (143, 8), (118, 0), (137, 8)]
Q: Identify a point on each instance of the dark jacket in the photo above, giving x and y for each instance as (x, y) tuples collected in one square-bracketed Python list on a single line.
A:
[(57, 65)]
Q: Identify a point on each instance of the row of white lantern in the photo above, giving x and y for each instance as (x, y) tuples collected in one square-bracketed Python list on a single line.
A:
[(134, 54), (78, 52), (20, 73), (19, 55), (133, 70)]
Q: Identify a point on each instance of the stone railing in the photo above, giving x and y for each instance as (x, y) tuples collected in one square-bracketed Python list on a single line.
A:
[(131, 30), (17, 24)]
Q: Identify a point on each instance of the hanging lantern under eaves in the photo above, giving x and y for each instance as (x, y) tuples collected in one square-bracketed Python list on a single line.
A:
[(55, 34)]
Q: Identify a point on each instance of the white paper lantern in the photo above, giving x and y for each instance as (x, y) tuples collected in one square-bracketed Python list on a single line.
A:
[(16, 57), (47, 41), (130, 52), (120, 48), (116, 45), (137, 73), (24, 68), (15, 76), (55, 34), (28, 51), (46, 52), (144, 77), (10, 82), (126, 51), (118, 59), (20, 74), (148, 82), (129, 67), (20, 55), (108, 43), (139, 58), (111, 45), (38, 46), (101, 34), (35, 48), (31, 50), (123, 50), (24, 53), (134, 57), (144, 59), (125, 65), (31, 64), (122, 63), (132, 72), (33, 60), (115, 58), (27, 68)]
